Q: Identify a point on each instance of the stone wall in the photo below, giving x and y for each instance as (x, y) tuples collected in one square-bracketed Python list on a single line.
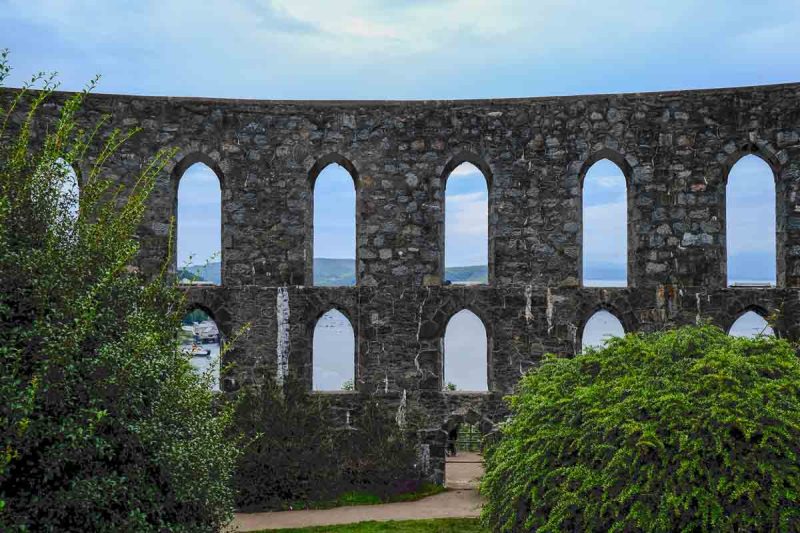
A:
[(675, 150)]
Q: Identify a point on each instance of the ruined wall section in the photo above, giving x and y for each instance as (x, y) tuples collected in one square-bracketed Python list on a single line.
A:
[(675, 149)]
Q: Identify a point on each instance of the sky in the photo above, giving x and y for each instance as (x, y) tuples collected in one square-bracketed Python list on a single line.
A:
[(402, 48), (466, 217), (199, 226), (333, 352), (334, 214), (465, 352), (604, 226), (422, 49)]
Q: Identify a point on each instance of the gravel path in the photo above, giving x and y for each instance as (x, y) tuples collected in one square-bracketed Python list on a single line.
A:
[(450, 504)]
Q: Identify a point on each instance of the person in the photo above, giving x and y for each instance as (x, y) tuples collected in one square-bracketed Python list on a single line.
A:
[(452, 436)]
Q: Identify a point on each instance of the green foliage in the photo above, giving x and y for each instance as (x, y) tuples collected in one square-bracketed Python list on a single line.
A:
[(368, 498), (298, 454), (104, 425), (469, 438), (348, 385), (684, 430), (196, 315), (439, 525)]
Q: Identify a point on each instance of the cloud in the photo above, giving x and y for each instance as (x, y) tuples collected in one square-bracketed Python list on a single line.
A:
[(610, 182), (416, 48), (779, 39), (605, 233), (466, 169), (467, 215)]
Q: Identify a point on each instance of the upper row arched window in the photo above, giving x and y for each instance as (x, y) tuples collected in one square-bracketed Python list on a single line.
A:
[(750, 224), (466, 226), (466, 233), (605, 226), (199, 225), (750, 218), (334, 227)]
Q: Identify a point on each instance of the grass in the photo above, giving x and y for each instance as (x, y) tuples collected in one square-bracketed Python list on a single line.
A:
[(367, 498), (439, 525)]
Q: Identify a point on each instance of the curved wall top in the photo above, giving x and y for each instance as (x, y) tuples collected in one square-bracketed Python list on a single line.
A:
[(676, 145)]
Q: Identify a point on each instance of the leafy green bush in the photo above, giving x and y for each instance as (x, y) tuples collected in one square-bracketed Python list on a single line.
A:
[(684, 430), (298, 455), (104, 425)]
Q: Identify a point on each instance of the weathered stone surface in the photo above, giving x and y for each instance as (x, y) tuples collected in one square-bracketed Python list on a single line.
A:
[(675, 149)]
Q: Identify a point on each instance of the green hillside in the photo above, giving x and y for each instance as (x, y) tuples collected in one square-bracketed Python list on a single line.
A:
[(336, 272)]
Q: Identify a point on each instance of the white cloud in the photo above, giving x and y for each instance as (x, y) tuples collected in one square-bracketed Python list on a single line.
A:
[(241, 31), (777, 38), (467, 215), (605, 233), (465, 169), (610, 182)]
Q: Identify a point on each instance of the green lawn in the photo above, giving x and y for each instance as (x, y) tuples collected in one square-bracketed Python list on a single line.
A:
[(440, 525), (366, 498)]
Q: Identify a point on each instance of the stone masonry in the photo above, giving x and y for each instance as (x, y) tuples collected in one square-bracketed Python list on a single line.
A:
[(675, 149)]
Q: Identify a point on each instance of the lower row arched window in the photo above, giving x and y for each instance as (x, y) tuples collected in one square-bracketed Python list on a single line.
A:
[(334, 353), (465, 347), (465, 353), (201, 341), (750, 324), (600, 327), (603, 325)]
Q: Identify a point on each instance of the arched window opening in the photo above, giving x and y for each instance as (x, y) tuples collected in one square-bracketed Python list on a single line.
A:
[(464, 457), (199, 227), (334, 227), (466, 226), (466, 364), (600, 327), (201, 340), (750, 224), (605, 226), (333, 353), (750, 324), (68, 187)]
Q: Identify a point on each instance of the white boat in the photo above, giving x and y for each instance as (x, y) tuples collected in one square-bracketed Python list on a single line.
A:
[(195, 350)]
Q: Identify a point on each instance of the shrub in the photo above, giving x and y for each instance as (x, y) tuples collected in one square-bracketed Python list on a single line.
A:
[(104, 425), (376, 455), (298, 454), (290, 452), (685, 430)]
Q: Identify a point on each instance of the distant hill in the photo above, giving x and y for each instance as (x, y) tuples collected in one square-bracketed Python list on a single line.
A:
[(467, 274), (606, 271), (333, 272), (208, 272)]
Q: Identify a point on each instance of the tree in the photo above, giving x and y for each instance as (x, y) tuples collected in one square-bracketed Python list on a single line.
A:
[(682, 430), (104, 425)]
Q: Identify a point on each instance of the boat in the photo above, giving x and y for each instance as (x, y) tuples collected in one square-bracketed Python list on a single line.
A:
[(195, 350)]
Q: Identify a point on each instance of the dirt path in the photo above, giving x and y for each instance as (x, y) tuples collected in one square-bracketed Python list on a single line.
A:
[(463, 471), (450, 504)]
